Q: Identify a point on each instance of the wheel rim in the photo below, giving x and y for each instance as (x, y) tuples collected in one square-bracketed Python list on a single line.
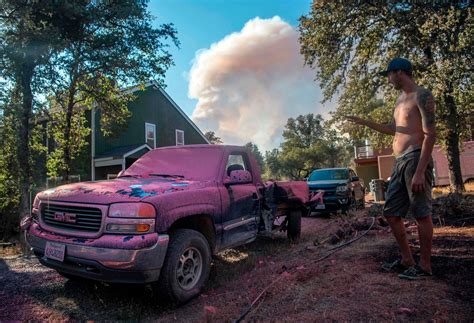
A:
[(189, 268)]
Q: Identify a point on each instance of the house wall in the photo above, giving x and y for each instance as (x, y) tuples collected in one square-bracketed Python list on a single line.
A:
[(150, 106), (441, 169), (101, 172), (367, 173), (386, 164)]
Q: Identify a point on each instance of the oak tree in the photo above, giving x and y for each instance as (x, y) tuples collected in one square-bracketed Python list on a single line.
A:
[(349, 43)]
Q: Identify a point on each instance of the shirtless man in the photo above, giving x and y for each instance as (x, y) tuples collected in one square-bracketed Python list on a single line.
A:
[(413, 128)]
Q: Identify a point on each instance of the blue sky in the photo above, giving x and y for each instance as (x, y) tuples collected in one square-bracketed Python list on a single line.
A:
[(201, 23)]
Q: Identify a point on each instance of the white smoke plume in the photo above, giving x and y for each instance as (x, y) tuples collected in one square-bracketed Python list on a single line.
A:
[(249, 84)]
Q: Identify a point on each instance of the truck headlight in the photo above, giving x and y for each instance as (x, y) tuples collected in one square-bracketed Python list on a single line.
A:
[(341, 189), (132, 210), (131, 218)]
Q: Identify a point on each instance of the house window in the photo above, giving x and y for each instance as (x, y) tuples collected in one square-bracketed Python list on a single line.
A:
[(150, 134), (179, 137)]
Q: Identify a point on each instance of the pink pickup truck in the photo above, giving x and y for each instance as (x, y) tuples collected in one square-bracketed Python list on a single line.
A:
[(163, 218)]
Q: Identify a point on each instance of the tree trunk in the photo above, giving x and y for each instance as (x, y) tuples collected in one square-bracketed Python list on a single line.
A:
[(67, 137), (23, 150), (67, 130), (452, 147)]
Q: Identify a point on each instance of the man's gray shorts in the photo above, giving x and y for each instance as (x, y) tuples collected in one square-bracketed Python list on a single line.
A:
[(399, 194)]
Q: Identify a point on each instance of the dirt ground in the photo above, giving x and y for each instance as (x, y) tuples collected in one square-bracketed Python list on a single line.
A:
[(348, 285)]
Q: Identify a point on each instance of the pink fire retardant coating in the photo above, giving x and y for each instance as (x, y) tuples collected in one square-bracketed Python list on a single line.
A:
[(129, 242), (196, 162), (178, 181), (242, 176), (296, 190), (318, 197), (125, 189)]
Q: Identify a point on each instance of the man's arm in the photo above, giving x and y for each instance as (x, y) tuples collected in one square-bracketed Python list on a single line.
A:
[(426, 106), (388, 129)]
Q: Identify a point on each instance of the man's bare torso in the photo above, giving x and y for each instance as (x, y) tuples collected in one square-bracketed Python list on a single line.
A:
[(409, 130)]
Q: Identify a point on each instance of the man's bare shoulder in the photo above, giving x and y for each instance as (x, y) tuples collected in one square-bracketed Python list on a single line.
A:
[(424, 97), (426, 104)]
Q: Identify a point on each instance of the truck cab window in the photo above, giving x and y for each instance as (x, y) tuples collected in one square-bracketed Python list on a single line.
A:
[(235, 162)]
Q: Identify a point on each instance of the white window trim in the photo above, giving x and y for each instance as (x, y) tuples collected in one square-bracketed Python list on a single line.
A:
[(154, 132), (182, 132)]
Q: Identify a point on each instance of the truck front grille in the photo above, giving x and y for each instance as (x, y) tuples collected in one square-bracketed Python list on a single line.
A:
[(67, 217)]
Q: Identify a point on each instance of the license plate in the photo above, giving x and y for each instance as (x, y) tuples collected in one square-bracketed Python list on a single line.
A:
[(320, 207), (55, 251)]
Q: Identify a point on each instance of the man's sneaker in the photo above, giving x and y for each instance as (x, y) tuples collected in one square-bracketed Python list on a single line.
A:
[(414, 272), (394, 267)]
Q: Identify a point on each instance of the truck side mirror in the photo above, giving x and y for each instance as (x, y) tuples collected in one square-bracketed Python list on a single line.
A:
[(238, 177)]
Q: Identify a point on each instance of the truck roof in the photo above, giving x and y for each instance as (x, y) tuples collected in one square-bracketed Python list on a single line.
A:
[(206, 146), (196, 162)]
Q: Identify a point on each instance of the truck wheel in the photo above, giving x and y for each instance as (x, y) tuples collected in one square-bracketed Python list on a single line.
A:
[(294, 225), (186, 267), (351, 206)]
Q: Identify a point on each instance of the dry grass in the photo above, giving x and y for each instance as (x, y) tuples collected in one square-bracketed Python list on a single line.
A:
[(347, 286), (444, 190), (9, 251), (459, 231)]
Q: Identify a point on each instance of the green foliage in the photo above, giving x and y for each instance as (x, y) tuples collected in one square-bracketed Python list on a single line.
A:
[(77, 55), (257, 154), (75, 141), (30, 32), (213, 139), (114, 44), (303, 132), (308, 144), (349, 43), (9, 170), (273, 164)]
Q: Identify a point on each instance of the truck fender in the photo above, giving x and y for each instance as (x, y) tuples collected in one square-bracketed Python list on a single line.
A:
[(203, 223)]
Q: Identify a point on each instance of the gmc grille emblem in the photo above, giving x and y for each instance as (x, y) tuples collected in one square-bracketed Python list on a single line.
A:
[(65, 217)]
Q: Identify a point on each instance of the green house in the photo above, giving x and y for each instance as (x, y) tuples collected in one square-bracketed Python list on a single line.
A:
[(156, 121)]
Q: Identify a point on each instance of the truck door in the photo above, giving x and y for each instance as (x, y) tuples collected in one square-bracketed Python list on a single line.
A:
[(241, 205)]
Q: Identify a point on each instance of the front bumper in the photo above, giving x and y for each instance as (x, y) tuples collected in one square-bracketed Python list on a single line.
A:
[(337, 202), (110, 258)]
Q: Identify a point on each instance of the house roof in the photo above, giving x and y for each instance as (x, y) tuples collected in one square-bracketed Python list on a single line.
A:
[(157, 86), (123, 151)]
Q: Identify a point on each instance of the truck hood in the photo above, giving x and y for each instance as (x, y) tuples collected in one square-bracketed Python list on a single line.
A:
[(326, 184), (118, 190)]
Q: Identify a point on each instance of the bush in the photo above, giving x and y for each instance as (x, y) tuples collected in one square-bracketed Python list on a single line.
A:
[(9, 207)]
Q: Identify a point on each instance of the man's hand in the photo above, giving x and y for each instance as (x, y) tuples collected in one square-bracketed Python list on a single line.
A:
[(418, 183)]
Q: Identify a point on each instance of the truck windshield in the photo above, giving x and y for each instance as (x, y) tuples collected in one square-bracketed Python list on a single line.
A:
[(329, 174), (188, 163)]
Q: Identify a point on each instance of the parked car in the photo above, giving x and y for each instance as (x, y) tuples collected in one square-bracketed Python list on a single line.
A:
[(343, 190), (163, 218)]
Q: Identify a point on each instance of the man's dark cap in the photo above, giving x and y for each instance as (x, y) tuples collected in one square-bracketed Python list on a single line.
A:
[(396, 64)]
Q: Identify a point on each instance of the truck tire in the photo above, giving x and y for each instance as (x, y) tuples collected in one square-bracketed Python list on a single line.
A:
[(294, 225), (186, 267), (351, 206)]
